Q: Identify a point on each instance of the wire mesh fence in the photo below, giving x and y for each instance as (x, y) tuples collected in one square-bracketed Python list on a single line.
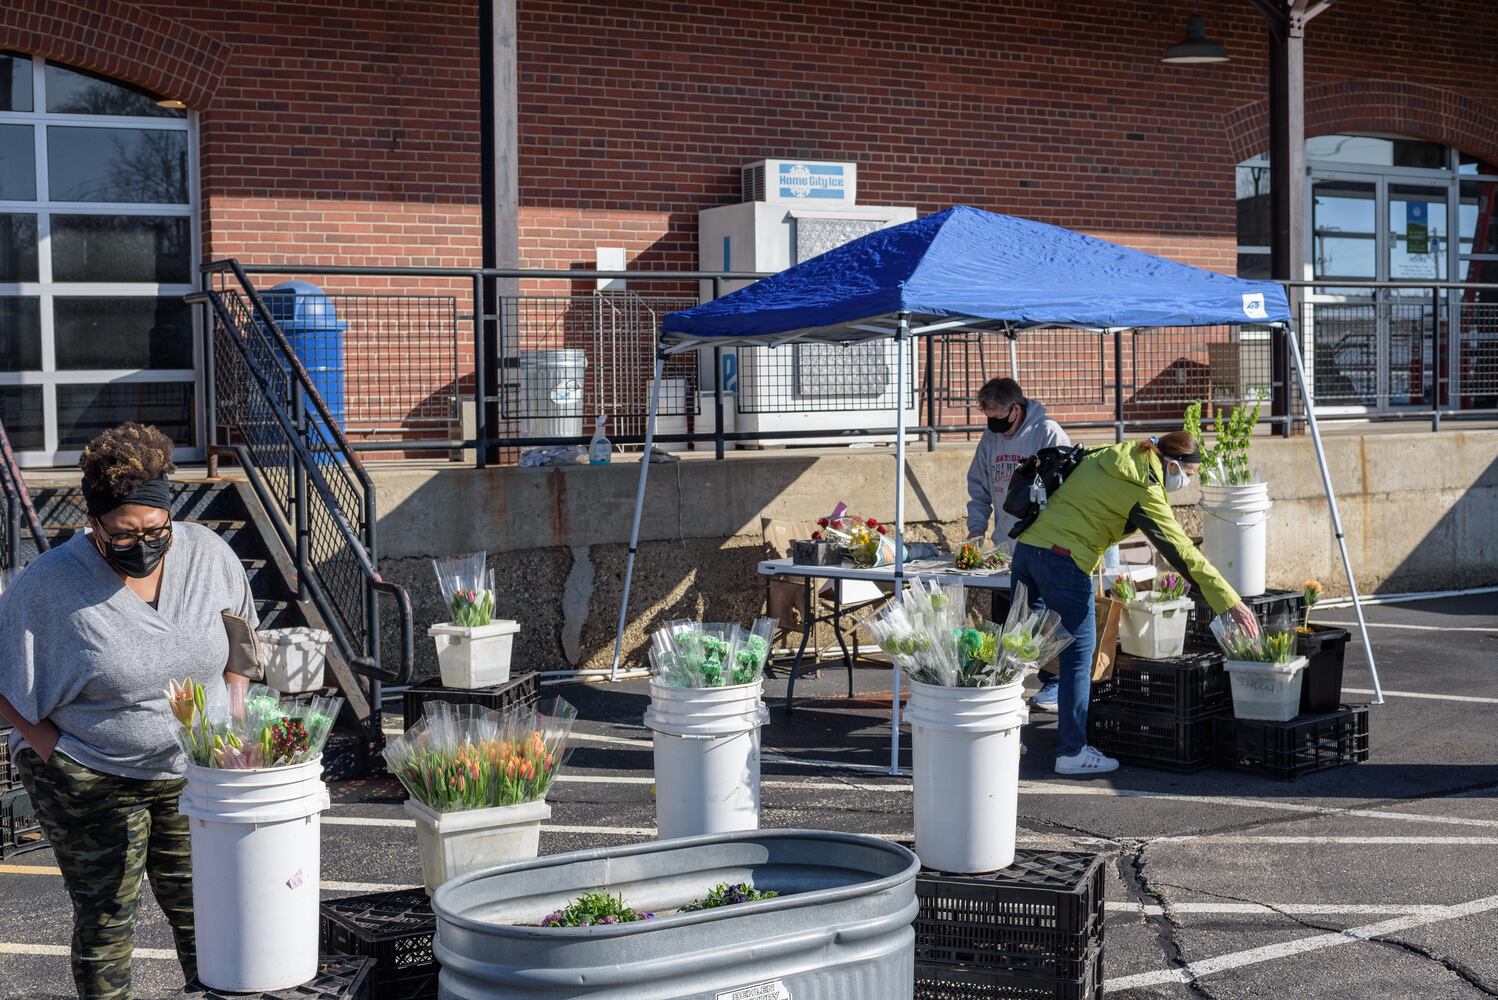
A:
[(402, 369)]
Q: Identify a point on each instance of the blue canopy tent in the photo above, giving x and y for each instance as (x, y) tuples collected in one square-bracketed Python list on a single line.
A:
[(965, 269)]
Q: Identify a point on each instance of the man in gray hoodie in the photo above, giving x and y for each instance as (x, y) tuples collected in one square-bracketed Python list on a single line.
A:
[(1017, 428)]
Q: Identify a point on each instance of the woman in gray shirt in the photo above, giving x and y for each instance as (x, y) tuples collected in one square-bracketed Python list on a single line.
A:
[(90, 636)]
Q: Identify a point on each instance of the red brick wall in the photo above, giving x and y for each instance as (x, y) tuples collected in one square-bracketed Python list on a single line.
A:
[(633, 117)]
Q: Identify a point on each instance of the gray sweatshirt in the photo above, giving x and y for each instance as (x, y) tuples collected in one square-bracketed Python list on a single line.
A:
[(994, 463), (80, 648)]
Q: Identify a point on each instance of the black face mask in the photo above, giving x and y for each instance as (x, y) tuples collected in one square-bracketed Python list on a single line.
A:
[(139, 560), (1002, 425)]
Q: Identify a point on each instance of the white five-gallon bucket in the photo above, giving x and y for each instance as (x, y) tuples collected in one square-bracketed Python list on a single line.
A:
[(256, 874), (966, 774), (1235, 533), (706, 758)]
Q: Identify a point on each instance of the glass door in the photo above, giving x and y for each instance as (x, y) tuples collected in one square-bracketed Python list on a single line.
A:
[(1418, 250), (1341, 325)]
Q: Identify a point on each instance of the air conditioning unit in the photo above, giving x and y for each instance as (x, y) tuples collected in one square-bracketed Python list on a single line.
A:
[(799, 386), (811, 183)]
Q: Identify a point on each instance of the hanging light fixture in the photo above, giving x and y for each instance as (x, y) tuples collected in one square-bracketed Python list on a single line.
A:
[(1195, 48), (171, 103)]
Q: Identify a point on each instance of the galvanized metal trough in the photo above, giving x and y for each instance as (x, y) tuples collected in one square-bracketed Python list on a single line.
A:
[(840, 930)]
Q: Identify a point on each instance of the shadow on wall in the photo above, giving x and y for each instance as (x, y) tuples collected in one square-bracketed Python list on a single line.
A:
[(557, 540), (1464, 541)]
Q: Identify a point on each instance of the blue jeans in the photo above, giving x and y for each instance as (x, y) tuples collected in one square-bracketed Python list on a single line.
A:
[(1053, 581)]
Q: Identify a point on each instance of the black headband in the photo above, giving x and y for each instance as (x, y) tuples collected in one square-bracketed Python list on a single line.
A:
[(152, 493), (1194, 458)]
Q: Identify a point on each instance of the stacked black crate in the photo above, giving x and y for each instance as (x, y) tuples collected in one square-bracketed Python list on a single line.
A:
[(518, 692), (1034, 929), (20, 830), (1160, 713), (395, 929)]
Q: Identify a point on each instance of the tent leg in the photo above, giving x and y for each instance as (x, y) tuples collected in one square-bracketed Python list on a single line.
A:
[(902, 338), (1292, 345), (634, 527), (1014, 358)]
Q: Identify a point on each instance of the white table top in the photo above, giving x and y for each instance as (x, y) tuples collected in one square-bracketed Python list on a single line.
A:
[(940, 569)]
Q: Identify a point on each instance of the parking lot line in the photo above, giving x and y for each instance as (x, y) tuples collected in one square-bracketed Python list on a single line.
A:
[(1318, 942), (1425, 841), (1430, 697)]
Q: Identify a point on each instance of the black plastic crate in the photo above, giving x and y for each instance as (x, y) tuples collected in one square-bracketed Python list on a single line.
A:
[(1190, 686), (1325, 646), (1150, 739), (345, 756), (339, 977), (517, 692), (1288, 750), (9, 777), (1277, 611), (946, 982), (393, 928), (1041, 916), (20, 830)]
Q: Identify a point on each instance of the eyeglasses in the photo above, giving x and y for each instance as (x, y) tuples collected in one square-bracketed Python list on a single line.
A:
[(124, 541)]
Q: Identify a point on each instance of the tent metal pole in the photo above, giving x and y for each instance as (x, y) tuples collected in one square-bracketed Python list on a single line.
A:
[(1014, 357), (1292, 346), (634, 527), (902, 339)]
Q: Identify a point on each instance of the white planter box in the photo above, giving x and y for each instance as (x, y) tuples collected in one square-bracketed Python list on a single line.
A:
[(1155, 630), (474, 657), (457, 842), (294, 658), (1269, 692)]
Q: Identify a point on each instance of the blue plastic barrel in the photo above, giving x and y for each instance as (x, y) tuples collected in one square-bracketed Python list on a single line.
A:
[(306, 314)]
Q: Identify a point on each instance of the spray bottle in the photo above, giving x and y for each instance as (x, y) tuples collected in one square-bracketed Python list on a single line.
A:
[(600, 452)]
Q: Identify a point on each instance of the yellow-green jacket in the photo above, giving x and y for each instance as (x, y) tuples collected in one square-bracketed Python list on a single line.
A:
[(1114, 491)]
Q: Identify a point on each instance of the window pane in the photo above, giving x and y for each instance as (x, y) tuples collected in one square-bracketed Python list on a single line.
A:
[(145, 166), (73, 92), (15, 82), (1375, 151), (1254, 265), (17, 164), (115, 333), (121, 248), (1417, 232), (1479, 217), (20, 334), (85, 410), (1472, 165), (21, 412), (17, 248), (1342, 222), (1254, 224)]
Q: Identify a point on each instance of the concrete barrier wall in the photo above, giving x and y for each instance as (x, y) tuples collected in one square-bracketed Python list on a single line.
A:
[(1420, 510)]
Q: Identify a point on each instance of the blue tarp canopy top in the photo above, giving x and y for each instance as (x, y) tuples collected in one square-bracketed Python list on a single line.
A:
[(964, 269)]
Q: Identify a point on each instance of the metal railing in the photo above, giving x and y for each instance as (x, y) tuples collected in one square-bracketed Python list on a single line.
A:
[(17, 508), (265, 411), (520, 349)]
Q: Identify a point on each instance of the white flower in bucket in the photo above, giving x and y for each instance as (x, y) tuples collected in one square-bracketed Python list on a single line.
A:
[(966, 710), (473, 648), (478, 782), (1266, 674), (706, 709), (253, 799)]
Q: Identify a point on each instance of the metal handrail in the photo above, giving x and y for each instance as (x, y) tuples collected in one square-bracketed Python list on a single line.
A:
[(363, 657), (17, 504)]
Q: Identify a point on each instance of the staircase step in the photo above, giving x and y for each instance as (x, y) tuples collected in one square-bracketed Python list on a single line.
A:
[(279, 614)]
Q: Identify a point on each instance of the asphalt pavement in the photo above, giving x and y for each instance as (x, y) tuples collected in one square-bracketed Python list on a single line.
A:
[(1371, 881)]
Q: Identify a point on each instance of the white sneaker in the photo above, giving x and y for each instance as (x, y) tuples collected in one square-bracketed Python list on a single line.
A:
[(1088, 761)]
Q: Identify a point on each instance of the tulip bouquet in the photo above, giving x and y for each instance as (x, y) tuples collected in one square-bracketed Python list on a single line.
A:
[(972, 556), (260, 729), (1266, 647), (460, 757), (864, 539), (691, 654), (467, 586), (927, 633)]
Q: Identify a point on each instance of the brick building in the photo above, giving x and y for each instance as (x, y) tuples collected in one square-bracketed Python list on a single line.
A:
[(378, 133)]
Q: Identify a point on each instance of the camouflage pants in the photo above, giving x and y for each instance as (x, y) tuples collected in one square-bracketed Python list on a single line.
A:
[(108, 833)]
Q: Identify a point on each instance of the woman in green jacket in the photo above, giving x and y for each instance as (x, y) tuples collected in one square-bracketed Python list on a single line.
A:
[(1111, 493)]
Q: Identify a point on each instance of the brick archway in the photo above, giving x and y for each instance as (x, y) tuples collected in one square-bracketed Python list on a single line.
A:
[(121, 41), (1414, 110)]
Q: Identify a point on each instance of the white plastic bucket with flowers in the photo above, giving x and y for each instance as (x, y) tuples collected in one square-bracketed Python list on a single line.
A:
[(478, 782), (473, 647), (253, 799), (1154, 621)]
